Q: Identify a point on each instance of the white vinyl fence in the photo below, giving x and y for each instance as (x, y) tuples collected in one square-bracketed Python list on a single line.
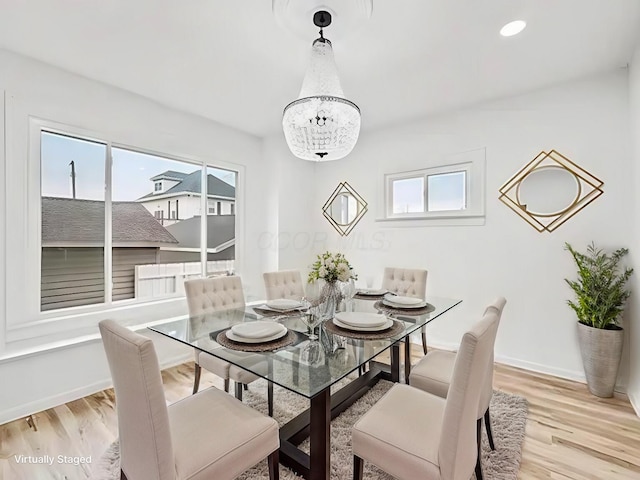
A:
[(161, 280)]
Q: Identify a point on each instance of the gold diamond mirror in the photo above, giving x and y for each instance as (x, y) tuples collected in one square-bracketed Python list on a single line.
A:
[(549, 190), (344, 209)]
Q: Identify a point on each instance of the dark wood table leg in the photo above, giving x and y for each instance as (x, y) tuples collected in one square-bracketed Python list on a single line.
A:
[(395, 362), (407, 359), (320, 436)]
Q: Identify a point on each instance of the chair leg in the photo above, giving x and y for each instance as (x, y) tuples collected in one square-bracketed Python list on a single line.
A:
[(274, 467), (245, 386), (270, 398), (196, 378), (358, 467), (487, 426), (479, 441), (424, 340), (226, 385), (238, 391)]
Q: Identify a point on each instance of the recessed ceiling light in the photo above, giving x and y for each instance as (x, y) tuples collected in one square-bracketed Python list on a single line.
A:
[(513, 28)]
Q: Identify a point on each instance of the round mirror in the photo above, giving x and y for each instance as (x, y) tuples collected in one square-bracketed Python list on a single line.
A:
[(548, 191), (344, 208)]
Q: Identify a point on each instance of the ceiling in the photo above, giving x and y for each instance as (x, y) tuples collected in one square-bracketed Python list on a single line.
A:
[(230, 61)]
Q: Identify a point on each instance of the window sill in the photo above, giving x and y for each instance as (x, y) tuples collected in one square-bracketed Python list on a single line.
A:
[(435, 221), (22, 353)]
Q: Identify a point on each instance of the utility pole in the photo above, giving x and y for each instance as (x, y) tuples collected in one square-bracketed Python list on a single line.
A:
[(73, 178)]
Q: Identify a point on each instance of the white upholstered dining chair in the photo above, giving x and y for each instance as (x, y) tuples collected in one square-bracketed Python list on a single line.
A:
[(216, 294), (283, 284), (434, 371), (410, 283), (410, 433), (207, 435)]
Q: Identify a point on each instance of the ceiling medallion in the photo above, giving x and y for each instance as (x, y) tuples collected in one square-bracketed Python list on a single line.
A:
[(321, 124)]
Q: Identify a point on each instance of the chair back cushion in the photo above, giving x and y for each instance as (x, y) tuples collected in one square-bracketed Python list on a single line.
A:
[(404, 281), (143, 420), (487, 392), (207, 295), (284, 284), (457, 453)]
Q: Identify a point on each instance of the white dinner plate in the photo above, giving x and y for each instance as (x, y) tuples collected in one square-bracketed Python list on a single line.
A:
[(283, 304), (384, 326), (231, 336), (401, 300), (361, 319), (374, 292), (389, 303), (260, 329)]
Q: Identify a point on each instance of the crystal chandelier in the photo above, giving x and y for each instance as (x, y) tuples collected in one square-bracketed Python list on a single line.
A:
[(321, 124)]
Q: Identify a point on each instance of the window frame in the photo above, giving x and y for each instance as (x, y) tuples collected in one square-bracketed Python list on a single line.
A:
[(26, 322), (472, 163)]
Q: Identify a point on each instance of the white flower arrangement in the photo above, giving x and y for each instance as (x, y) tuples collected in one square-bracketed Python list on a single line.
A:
[(331, 267)]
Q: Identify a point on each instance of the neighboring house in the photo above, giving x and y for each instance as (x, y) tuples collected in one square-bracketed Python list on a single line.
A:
[(176, 196), (73, 249), (221, 241)]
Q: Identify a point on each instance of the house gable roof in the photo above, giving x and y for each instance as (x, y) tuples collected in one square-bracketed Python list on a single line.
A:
[(170, 175), (220, 230), (82, 221), (192, 183)]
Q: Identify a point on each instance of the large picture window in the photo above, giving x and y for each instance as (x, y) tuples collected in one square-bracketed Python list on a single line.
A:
[(118, 224)]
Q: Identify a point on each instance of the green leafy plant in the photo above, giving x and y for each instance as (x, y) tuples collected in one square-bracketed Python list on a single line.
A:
[(600, 288)]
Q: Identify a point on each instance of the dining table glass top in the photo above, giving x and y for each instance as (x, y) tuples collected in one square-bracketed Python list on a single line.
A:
[(305, 366)]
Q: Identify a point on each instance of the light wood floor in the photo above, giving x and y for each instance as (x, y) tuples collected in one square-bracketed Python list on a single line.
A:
[(570, 434)]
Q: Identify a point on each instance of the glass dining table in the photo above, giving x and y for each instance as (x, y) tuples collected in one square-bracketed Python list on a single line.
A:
[(311, 367)]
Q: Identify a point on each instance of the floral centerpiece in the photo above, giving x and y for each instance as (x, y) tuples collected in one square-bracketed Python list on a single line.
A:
[(329, 268)]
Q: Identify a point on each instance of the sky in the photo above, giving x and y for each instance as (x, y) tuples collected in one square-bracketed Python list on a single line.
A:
[(445, 192), (130, 176)]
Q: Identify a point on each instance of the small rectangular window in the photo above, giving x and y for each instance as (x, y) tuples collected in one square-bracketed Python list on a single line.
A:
[(233, 209), (212, 210), (445, 191), (157, 186)]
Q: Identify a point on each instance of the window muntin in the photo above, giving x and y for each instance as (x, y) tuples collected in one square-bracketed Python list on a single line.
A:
[(131, 245)]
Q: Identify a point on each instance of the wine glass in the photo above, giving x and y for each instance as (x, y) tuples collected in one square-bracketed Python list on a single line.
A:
[(348, 290), (310, 317)]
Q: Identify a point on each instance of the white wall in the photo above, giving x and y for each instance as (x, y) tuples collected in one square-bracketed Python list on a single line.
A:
[(40, 380), (587, 121), (633, 329)]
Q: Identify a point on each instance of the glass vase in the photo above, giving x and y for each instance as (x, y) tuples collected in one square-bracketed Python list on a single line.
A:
[(329, 300)]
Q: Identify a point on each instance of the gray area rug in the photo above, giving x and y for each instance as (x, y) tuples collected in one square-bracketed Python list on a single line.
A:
[(508, 415)]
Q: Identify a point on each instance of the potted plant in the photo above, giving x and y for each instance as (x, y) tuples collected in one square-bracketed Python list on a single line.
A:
[(600, 299)]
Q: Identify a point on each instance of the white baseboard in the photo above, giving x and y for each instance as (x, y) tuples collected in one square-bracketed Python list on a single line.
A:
[(575, 375), (635, 402), (54, 400)]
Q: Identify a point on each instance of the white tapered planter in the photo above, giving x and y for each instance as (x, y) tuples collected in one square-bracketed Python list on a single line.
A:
[(601, 351)]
